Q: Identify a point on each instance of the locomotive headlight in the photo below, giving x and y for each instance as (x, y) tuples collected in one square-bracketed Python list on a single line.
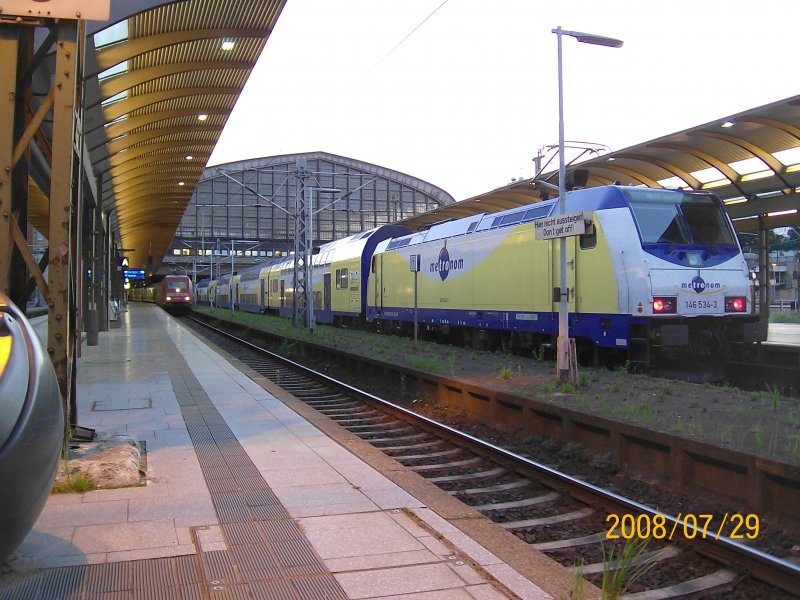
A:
[(735, 304), (665, 305), (187, 298)]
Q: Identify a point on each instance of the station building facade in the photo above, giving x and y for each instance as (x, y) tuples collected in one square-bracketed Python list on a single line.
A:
[(244, 212)]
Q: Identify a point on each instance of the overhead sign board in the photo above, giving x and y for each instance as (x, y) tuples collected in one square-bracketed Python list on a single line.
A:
[(91, 10), (133, 274), (559, 226)]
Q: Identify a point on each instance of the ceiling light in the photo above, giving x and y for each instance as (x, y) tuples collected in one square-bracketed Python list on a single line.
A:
[(739, 200), (227, 45), (715, 184), (727, 124), (181, 183), (758, 175), (783, 212), (189, 157), (202, 117)]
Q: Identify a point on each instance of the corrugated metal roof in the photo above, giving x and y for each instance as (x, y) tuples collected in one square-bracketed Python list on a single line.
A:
[(751, 160)]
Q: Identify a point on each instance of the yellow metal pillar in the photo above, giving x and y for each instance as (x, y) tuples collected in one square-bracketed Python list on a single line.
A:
[(8, 89), (60, 277)]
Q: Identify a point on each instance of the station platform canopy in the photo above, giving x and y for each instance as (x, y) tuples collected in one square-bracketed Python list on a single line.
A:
[(751, 160), (160, 81)]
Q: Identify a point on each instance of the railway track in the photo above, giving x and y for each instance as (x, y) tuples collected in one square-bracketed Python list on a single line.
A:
[(568, 519)]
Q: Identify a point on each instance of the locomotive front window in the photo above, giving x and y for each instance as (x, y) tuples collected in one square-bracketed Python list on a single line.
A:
[(673, 218), (177, 285)]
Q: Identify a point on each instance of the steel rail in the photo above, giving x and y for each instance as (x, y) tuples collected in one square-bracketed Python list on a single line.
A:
[(770, 569)]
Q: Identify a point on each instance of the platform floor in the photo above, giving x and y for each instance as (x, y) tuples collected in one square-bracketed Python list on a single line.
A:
[(245, 497)]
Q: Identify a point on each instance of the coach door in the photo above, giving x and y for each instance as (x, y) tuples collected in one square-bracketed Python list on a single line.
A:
[(327, 300), (262, 303), (283, 294), (377, 297)]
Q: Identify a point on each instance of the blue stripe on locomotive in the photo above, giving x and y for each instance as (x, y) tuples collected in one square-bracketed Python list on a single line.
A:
[(607, 330)]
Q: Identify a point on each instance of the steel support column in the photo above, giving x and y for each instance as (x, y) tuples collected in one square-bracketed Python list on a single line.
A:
[(8, 91), (764, 270), (301, 296), (61, 317), (102, 244), (18, 275)]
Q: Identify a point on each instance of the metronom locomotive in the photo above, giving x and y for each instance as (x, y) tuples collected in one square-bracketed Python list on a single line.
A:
[(657, 276)]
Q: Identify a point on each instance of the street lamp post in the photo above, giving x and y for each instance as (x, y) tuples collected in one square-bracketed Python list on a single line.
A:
[(563, 351)]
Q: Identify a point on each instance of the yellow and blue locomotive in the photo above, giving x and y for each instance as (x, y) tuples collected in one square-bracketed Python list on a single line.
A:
[(657, 275)]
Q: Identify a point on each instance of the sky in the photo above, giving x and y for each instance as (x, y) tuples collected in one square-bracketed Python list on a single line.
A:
[(464, 93)]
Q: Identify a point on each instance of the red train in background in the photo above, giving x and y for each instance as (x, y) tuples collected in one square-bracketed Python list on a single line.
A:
[(173, 294)]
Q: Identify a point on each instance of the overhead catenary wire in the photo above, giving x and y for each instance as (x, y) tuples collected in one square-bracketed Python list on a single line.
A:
[(409, 34)]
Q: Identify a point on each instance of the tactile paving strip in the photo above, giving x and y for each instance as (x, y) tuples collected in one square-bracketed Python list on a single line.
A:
[(267, 557)]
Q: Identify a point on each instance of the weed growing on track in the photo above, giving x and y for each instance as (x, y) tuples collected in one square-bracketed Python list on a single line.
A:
[(506, 373), (621, 568)]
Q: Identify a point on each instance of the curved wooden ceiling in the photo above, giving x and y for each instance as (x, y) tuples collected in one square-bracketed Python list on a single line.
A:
[(158, 92)]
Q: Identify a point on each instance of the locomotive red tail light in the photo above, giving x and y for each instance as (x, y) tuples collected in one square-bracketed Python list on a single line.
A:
[(735, 304), (664, 305)]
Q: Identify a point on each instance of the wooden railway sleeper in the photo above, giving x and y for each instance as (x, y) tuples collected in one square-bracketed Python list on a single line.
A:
[(432, 444), (415, 436), (496, 472), (525, 502), (528, 523), (374, 427), (429, 455), (382, 430), (500, 487)]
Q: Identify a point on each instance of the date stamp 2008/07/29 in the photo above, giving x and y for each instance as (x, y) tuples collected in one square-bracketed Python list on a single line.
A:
[(690, 526)]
